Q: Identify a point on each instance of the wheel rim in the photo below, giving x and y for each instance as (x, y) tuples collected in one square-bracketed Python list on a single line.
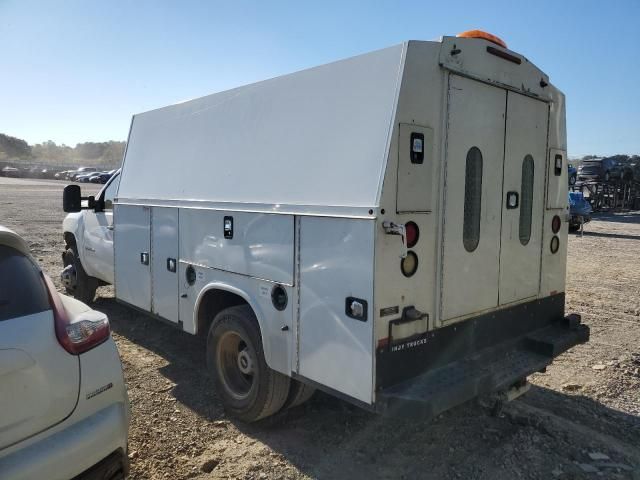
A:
[(236, 364), (69, 275)]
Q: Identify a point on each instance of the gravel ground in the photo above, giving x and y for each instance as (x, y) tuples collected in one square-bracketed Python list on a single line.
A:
[(581, 418)]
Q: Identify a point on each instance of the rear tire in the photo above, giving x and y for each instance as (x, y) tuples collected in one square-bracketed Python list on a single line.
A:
[(572, 180), (86, 286), (249, 389), (298, 394)]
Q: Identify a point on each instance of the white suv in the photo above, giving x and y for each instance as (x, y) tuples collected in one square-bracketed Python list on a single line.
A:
[(64, 411)]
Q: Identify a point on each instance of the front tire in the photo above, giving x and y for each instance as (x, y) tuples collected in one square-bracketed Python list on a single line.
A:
[(84, 287), (249, 389)]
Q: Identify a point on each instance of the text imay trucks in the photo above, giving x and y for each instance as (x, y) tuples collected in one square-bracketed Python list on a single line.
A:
[(390, 228)]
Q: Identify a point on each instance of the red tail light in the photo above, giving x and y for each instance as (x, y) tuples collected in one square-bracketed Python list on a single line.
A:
[(413, 234), (79, 335)]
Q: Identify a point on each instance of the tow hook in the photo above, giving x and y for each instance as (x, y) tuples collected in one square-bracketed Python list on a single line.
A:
[(499, 399)]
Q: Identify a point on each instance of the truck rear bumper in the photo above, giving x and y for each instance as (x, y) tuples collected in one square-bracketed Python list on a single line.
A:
[(473, 365)]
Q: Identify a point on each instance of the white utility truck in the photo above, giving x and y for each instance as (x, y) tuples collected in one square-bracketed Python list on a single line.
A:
[(390, 228)]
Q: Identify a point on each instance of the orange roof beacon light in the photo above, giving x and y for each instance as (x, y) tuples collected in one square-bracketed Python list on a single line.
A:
[(480, 34)]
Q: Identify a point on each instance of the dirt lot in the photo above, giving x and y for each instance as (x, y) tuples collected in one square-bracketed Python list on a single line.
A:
[(587, 403)]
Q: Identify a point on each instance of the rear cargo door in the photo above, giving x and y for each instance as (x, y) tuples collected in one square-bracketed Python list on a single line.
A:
[(473, 197), (523, 197)]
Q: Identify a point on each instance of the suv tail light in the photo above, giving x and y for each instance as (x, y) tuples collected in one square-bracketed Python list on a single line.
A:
[(80, 334)]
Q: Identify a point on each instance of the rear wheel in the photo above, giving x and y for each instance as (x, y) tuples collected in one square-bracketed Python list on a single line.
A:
[(298, 394), (249, 389), (76, 281), (572, 180)]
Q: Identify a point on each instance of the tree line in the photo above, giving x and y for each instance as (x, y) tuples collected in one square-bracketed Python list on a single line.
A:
[(96, 154)]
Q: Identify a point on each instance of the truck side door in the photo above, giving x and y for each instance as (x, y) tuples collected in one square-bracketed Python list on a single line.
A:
[(98, 234)]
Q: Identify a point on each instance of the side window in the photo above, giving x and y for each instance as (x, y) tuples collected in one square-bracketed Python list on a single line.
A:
[(22, 290), (472, 200), (526, 202), (110, 193)]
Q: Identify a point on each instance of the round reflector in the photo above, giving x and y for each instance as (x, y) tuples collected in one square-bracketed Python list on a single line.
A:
[(556, 223), (409, 264), (555, 244), (413, 234), (484, 35)]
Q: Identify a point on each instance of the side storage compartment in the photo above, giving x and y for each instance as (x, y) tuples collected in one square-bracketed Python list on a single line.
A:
[(164, 262), (132, 255), (336, 270)]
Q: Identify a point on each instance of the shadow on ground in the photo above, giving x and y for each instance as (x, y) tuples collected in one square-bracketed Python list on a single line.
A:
[(328, 438), (621, 217)]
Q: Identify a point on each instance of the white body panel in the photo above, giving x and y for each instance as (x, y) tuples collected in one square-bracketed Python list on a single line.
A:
[(277, 343), (98, 245), (299, 139), (164, 255), (336, 262), (38, 378), (132, 243), (261, 247)]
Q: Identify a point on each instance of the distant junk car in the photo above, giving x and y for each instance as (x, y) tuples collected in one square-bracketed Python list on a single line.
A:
[(390, 228)]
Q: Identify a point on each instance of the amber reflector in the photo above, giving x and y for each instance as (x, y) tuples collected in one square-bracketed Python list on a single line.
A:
[(484, 35)]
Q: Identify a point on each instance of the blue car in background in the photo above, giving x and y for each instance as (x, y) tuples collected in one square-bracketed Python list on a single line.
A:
[(579, 211), (573, 175)]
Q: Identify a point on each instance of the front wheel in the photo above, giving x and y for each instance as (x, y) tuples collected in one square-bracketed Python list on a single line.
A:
[(76, 281), (249, 389)]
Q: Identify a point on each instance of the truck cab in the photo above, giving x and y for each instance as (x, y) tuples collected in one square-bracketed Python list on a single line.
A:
[(88, 236)]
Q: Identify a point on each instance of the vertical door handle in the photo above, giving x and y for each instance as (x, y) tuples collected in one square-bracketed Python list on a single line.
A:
[(171, 264), (144, 258)]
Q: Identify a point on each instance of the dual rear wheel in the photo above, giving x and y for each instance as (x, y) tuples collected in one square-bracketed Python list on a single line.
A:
[(249, 389)]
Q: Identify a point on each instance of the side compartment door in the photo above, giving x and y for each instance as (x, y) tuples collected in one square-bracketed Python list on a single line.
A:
[(164, 262), (133, 255), (523, 197), (335, 264), (473, 198)]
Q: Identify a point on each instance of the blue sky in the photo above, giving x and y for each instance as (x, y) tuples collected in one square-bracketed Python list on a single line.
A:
[(75, 70)]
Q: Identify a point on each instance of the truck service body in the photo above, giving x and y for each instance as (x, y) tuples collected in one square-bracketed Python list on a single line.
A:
[(395, 224)]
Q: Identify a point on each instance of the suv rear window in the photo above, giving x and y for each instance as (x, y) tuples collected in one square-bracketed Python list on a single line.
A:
[(22, 290)]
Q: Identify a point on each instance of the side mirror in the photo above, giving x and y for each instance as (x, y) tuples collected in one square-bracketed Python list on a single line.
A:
[(71, 199)]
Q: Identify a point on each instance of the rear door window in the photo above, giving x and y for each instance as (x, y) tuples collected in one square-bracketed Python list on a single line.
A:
[(472, 200), (22, 289)]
